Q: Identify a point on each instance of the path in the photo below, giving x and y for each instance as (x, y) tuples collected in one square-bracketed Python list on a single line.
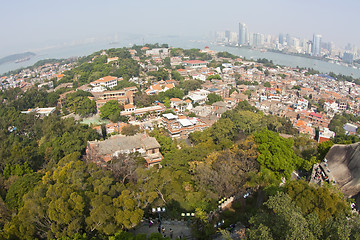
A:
[(179, 228)]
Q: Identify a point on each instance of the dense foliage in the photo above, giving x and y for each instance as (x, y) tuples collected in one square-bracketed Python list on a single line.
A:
[(48, 191), (79, 103), (94, 67), (295, 215)]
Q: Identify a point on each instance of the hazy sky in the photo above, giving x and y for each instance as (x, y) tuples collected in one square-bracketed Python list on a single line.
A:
[(32, 24)]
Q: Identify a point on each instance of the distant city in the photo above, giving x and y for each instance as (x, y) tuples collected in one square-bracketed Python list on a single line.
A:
[(288, 44)]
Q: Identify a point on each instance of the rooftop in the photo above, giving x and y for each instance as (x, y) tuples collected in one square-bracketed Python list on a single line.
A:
[(195, 62), (124, 143)]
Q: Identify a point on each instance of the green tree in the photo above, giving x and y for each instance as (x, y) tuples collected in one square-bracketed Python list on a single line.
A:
[(75, 197), (176, 76), (19, 188), (110, 108), (267, 84), (322, 201), (213, 97), (323, 149), (215, 76), (282, 221), (171, 93), (190, 85), (167, 63), (142, 100), (276, 153), (161, 74), (233, 90), (130, 130)]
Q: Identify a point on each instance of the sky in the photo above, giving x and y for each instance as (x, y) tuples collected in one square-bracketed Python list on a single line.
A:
[(37, 24)]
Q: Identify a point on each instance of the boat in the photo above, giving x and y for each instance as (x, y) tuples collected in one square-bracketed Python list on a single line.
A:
[(22, 60)]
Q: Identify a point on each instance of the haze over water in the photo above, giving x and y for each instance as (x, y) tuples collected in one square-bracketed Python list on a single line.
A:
[(183, 42)]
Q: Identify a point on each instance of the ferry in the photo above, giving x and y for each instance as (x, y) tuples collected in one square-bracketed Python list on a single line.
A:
[(22, 60)]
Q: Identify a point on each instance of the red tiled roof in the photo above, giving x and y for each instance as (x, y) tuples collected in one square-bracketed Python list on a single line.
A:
[(316, 115), (169, 85), (105, 79), (156, 87), (194, 61), (127, 106)]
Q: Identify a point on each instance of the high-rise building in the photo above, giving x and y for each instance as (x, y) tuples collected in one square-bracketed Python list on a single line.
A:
[(227, 35), (258, 39), (220, 36), (288, 38), (308, 47), (349, 47), (242, 34), (348, 57), (281, 38), (233, 38), (316, 45)]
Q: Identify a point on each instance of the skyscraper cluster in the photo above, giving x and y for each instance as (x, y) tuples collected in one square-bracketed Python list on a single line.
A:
[(288, 44)]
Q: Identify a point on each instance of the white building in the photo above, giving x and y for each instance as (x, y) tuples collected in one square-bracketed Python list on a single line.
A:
[(41, 111), (107, 81)]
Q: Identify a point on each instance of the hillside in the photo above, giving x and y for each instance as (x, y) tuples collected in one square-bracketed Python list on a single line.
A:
[(15, 57)]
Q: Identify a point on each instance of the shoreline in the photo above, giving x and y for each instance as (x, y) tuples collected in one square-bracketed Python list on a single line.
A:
[(290, 60)]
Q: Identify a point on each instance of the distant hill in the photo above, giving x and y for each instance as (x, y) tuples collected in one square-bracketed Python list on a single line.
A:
[(15, 57)]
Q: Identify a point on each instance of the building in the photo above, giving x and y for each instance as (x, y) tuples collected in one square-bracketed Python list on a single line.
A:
[(348, 57), (158, 52), (302, 104), (227, 35), (281, 38), (258, 39), (130, 110), (316, 46), (198, 96), (178, 104), (350, 129), (41, 111), (101, 152), (325, 135), (112, 59), (233, 38), (342, 105), (318, 119), (305, 128), (195, 63), (161, 86), (181, 126), (219, 108), (107, 81), (111, 128), (123, 97), (243, 34)]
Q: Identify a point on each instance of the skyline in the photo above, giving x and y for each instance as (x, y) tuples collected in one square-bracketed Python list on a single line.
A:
[(40, 24)]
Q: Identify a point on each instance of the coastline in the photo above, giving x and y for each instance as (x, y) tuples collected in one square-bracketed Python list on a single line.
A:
[(284, 59), (279, 58)]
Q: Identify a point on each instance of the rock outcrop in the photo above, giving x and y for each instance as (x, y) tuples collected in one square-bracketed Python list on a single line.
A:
[(344, 164)]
